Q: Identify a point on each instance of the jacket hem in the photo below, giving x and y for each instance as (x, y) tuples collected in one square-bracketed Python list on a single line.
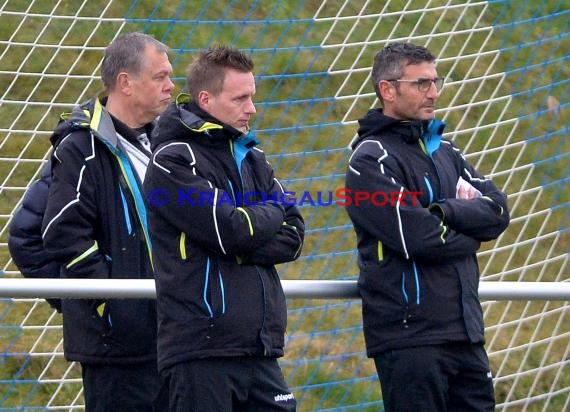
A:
[(110, 360), (408, 343), (217, 353)]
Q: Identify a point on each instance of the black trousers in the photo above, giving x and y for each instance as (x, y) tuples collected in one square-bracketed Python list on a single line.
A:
[(124, 388), (240, 384), (439, 378)]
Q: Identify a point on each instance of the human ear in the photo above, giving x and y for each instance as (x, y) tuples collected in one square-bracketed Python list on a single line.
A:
[(387, 90), (203, 99), (124, 83)]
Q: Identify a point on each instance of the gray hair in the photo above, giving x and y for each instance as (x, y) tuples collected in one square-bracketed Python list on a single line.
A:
[(390, 62), (126, 54)]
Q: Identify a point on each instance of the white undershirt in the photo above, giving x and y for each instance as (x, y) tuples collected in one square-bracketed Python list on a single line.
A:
[(138, 158)]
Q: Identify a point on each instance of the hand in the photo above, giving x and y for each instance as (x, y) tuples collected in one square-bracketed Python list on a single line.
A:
[(465, 190), (467, 193)]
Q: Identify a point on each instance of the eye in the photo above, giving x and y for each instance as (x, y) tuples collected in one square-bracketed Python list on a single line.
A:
[(424, 84)]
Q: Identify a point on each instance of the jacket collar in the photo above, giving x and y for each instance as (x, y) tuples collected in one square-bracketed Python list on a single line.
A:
[(94, 116)]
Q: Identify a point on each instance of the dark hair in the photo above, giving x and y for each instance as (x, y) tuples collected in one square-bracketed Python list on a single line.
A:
[(208, 70), (389, 63), (126, 54)]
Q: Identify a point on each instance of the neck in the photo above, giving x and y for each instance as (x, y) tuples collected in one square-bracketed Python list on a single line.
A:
[(122, 111)]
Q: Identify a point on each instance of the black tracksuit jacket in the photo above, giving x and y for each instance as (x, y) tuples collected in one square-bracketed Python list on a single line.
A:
[(95, 226), (419, 275), (216, 237)]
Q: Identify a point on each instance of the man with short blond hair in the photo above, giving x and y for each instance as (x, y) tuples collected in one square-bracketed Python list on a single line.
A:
[(221, 309)]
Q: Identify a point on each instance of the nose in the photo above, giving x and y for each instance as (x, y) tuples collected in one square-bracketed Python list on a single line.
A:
[(170, 85), (250, 107), (432, 92)]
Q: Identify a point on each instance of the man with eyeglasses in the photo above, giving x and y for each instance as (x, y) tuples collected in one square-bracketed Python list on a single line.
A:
[(419, 277)]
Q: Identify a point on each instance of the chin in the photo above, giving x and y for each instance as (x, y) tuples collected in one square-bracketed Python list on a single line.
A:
[(428, 116)]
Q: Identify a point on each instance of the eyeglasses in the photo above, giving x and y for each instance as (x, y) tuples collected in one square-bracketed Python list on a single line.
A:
[(423, 83)]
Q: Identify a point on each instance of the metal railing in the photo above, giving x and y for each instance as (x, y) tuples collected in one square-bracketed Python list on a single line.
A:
[(296, 289)]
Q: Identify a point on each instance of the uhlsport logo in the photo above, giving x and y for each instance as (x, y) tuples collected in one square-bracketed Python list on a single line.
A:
[(284, 397)]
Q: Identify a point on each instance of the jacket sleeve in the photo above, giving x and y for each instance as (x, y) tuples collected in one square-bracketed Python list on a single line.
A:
[(404, 226), (483, 218), (205, 213), (70, 220), (287, 243), (25, 237)]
